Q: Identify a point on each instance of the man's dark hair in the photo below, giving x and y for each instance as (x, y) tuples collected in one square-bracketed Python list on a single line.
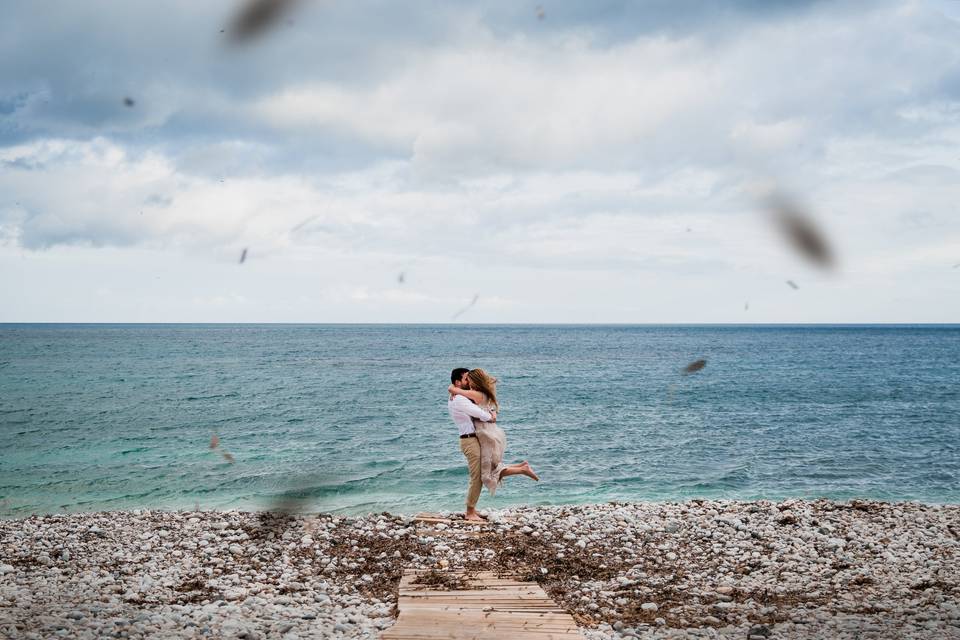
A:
[(457, 373)]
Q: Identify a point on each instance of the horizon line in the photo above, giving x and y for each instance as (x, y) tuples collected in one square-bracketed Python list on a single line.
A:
[(515, 324)]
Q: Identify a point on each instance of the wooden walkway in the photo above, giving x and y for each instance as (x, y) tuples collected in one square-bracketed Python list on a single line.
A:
[(489, 607)]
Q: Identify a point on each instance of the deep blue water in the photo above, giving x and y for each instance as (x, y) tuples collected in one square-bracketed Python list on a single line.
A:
[(97, 417)]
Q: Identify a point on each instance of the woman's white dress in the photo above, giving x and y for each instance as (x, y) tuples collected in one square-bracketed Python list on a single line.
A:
[(493, 442)]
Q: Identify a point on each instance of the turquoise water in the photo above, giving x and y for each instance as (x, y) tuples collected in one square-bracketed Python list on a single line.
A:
[(354, 417)]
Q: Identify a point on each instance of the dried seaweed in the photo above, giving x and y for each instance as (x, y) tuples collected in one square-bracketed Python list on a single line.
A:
[(444, 581)]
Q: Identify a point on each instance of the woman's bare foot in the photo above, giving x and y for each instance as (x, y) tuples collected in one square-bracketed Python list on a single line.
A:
[(528, 471), (473, 516)]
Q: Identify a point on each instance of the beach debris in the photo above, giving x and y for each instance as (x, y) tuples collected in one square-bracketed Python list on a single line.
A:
[(243, 255), (793, 285), (694, 366), (466, 308), (541, 13), (128, 101), (228, 457), (401, 278), (444, 581), (799, 230), (214, 441), (257, 17)]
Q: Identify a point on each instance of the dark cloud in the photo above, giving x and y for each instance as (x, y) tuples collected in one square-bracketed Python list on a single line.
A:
[(22, 164), (36, 234), (615, 21), (62, 77), (158, 200)]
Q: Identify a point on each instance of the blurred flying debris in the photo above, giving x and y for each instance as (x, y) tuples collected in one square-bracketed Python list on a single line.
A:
[(284, 509), (243, 255), (303, 224), (401, 278), (954, 266), (128, 101), (798, 228), (689, 229), (257, 17), (694, 366), (466, 308), (214, 443), (541, 14), (289, 502), (746, 306), (793, 285)]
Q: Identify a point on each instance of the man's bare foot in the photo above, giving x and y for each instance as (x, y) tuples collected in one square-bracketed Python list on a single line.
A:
[(528, 471), (473, 517)]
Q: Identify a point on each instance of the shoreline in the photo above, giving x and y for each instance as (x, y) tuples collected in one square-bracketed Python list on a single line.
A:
[(700, 568), (354, 513)]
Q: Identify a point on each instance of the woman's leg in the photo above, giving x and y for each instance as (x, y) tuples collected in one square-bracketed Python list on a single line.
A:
[(522, 468)]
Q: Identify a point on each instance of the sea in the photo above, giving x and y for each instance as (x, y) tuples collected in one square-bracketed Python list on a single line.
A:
[(353, 419)]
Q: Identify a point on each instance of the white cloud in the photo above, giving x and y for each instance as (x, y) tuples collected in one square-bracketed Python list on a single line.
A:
[(538, 171)]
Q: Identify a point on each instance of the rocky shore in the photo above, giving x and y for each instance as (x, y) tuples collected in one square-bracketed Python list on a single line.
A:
[(792, 569)]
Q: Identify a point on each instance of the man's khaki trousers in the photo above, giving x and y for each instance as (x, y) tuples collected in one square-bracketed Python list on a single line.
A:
[(471, 451)]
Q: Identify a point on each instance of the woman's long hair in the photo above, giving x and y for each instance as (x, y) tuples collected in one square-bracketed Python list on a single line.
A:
[(485, 383)]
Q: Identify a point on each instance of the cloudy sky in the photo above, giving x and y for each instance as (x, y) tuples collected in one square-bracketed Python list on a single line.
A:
[(603, 161)]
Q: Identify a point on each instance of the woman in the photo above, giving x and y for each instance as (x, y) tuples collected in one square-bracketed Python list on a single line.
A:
[(493, 441)]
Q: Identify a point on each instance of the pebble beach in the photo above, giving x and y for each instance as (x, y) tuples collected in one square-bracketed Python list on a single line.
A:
[(697, 569)]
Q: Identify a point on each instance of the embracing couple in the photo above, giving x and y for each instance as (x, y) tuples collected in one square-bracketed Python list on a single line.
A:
[(473, 407)]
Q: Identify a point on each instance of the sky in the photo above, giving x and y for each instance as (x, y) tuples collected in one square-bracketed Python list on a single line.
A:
[(555, 162)]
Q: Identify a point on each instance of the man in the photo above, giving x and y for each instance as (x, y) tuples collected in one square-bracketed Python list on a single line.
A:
[(463, 412)]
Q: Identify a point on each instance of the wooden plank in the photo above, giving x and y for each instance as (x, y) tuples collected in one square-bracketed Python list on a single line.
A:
[(491, 607)]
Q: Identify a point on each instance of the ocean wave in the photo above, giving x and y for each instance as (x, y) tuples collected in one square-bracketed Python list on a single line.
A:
[(232, 394)]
